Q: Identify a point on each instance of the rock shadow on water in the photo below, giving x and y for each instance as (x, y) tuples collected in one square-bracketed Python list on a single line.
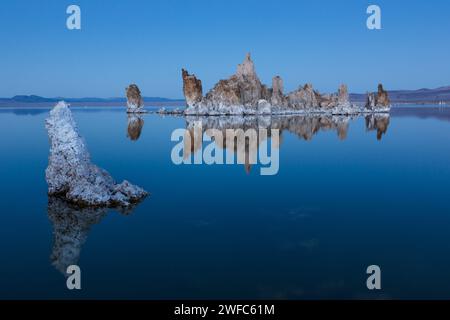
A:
[(135, 126), (71, 227)]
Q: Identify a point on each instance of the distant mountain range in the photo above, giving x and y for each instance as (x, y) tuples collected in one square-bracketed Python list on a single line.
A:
[(420, 96), (39, 99), (412, 96)]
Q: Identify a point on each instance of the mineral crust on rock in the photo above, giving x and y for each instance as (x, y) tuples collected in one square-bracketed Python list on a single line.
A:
[(135, 103), (244, 94), (70, 173)]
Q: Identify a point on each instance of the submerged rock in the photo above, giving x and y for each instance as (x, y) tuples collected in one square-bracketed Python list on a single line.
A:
[(70, 173), (244, 94), (135, 103)]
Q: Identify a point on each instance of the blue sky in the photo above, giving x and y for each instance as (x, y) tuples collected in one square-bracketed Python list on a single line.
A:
[(149, 41)]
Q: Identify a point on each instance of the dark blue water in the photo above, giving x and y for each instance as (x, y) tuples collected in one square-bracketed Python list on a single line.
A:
[(339, 203)]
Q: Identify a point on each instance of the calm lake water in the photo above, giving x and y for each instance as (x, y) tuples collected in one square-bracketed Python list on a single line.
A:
[(344, 198)]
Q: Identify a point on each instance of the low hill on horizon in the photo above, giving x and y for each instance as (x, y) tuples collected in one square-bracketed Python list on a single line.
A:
[(419, 96), (37, 99), (27, 100)]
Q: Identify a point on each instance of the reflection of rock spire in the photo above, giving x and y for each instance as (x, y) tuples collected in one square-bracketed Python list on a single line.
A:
[(71, 226), (135, 125), (304, 127), (378, 122)]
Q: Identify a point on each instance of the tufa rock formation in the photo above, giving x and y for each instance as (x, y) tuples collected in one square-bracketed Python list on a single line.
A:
[(222, 130), (379, 101), (135, 103), (382, 97), (379, 123), (192, 88), (70, 173), (243, 93)]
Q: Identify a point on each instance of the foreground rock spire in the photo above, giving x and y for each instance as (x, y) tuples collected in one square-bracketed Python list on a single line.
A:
[(70, 173), (243, 93)]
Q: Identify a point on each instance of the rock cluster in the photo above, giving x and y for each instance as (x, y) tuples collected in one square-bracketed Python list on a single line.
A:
[(135, 103), (378, 101), (70, 173), (243, 93)]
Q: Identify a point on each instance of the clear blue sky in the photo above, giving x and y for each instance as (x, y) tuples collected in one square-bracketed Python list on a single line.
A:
[(149, 41)]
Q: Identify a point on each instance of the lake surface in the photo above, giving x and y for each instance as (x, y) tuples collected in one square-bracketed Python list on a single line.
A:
[(349, 193)]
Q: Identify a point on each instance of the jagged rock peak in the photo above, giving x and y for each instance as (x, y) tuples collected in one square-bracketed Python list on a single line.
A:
[(246, 68), (382, 97), (192, 88), (135, 103), (278, 98), (343, 96), (277, 85), (70, 173), (244, 94), (378, 101)]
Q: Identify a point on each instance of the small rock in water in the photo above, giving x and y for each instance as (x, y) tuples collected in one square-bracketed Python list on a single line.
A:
[(379, 101), (135, 103), (70, 173)]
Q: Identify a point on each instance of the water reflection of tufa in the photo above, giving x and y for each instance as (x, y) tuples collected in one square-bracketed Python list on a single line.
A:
[(135, 125), (377, 122), (71, 226), (246, 153), (303, 126)]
